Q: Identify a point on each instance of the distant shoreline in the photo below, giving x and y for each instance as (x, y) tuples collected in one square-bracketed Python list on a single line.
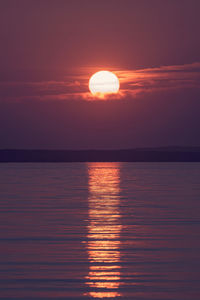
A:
[(165, 154)]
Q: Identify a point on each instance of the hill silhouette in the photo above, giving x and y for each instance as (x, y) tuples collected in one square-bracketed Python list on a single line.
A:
[(162, 154)]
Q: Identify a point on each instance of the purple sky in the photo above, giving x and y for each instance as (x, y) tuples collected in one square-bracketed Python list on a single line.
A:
[(49, 49)]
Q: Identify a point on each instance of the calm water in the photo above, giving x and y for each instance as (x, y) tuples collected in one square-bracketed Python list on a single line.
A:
[(100, 230)]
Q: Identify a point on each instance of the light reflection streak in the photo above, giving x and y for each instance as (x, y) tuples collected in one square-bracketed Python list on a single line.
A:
[(104, 230)]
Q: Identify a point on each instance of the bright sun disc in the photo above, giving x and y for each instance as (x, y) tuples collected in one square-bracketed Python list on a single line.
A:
[(103, 82)]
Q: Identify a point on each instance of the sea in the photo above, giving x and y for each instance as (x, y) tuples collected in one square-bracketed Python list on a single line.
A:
[(100, 231)]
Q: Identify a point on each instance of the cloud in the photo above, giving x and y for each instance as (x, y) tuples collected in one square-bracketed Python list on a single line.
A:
[(133, 83), (162, 78)]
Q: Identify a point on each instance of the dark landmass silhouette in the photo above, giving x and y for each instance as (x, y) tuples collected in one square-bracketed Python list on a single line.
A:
[(162, 154)]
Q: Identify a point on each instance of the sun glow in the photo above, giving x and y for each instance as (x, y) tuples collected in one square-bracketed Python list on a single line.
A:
[(103, 83)]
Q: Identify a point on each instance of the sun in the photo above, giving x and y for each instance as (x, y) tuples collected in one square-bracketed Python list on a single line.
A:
[(103, 83)]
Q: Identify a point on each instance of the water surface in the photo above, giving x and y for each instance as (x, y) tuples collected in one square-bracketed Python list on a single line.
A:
[(100, 231)]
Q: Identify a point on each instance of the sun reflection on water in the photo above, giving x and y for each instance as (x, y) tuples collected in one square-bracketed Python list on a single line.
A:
[(104, 230)]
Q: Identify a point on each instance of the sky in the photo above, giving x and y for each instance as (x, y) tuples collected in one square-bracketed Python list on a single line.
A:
[(50, 48)]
